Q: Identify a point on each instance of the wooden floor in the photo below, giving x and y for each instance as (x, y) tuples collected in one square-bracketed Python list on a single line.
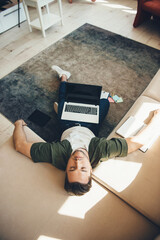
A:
[(17, 45)]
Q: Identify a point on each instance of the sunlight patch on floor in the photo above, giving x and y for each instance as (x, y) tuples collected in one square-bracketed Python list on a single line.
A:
[(130, 11), (117, 6)]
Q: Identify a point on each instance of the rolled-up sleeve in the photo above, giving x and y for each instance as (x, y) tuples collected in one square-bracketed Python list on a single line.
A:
[(101, 149), (56, 153), (41, 152), (116, 147)]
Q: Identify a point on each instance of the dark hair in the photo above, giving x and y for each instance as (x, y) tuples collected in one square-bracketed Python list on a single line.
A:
[(77, 188)]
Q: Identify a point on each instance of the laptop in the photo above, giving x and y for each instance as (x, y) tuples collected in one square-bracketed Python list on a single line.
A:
[(81, 103)]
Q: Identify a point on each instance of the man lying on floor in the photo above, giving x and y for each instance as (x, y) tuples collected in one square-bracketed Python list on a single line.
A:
[(79, 149)]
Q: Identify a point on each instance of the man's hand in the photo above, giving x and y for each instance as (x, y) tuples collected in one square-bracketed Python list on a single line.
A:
[(156, 117), (136, 142), (20, 122)]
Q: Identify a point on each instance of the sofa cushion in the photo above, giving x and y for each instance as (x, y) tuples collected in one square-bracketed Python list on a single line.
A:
[(153, 89), (35, 206), (135, 178)]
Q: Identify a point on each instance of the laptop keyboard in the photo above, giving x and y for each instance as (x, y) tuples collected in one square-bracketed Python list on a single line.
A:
[(81, 109)]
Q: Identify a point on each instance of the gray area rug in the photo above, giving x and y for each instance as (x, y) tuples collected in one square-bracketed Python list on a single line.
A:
[(93, 56)]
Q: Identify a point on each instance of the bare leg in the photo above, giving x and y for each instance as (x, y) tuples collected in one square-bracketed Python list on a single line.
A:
[(64, 78)]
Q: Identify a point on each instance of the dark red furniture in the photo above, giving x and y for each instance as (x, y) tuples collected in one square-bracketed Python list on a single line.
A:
[(146, 9)]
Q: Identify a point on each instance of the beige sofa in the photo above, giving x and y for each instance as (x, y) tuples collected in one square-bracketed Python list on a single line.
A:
[(122, 204)]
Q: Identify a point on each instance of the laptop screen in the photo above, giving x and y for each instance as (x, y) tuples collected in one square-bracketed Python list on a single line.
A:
[(83, 93)]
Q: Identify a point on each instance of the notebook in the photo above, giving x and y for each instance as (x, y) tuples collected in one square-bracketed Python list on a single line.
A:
[(131, 127), (82, 103)]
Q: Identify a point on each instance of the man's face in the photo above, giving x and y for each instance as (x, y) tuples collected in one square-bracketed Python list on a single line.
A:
[(79, 168)]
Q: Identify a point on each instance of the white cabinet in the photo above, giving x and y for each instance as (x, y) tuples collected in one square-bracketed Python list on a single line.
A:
[(9, 17)]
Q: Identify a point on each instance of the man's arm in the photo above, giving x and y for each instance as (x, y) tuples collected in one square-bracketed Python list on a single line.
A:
[(20, 141), (136, 142)]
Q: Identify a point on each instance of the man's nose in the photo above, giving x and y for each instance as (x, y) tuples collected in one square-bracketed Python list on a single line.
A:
[(77, 163)]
